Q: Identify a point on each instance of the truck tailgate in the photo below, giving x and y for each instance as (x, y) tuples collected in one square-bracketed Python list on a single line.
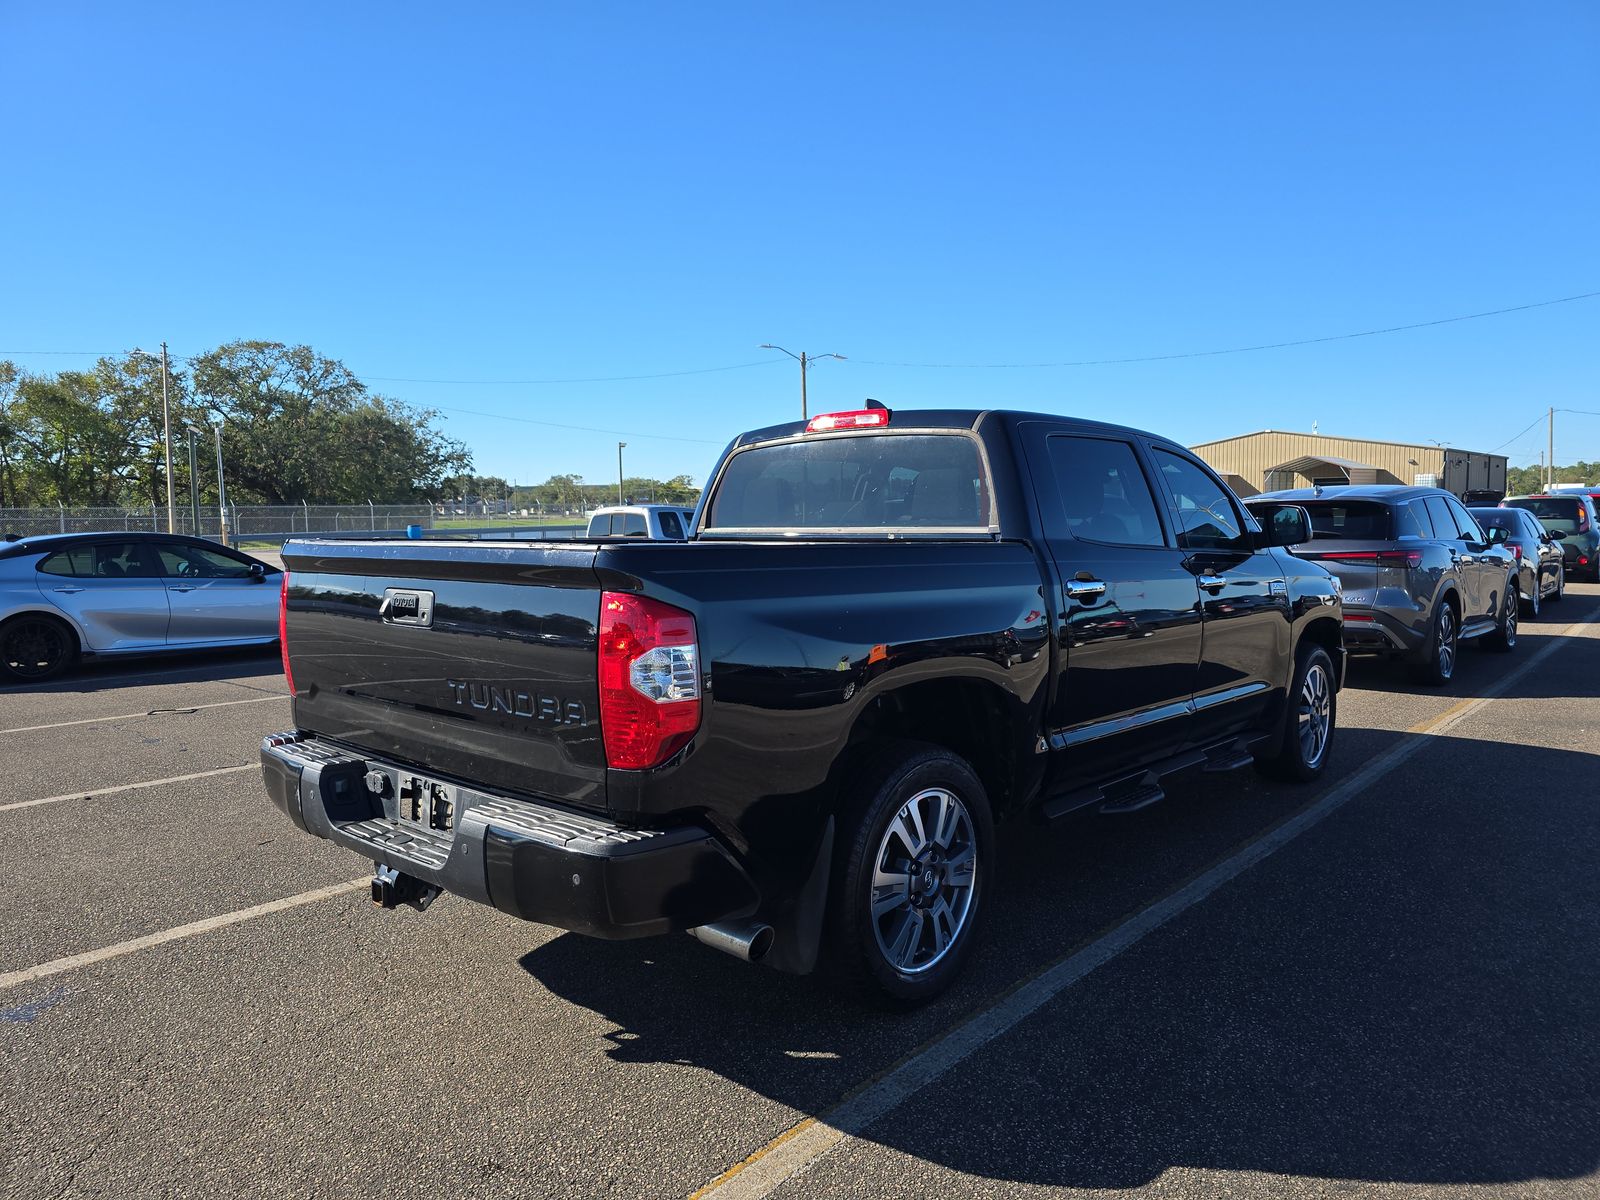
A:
[(472, 659)]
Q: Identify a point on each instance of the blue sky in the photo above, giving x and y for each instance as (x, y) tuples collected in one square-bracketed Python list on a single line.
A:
[(526, 192)]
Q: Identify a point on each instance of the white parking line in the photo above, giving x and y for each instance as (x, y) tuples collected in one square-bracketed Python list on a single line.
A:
[(153, 712), (125, 787), (13, 979), (799, 1147)]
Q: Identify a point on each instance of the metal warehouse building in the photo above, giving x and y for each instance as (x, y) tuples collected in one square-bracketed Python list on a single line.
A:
[(1270, 460)]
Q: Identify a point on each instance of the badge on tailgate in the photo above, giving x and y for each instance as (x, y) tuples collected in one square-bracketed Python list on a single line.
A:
[(406, 606)]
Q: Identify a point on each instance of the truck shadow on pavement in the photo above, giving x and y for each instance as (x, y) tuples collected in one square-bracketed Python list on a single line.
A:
[(1407, 993)]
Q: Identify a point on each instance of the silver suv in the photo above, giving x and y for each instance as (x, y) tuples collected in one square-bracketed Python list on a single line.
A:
[(1419, 572)]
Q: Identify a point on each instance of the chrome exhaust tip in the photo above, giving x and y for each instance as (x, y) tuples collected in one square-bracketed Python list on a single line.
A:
[(749, 940)]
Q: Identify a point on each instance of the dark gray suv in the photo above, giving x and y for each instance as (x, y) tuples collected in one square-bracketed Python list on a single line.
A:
[(1419, 572)]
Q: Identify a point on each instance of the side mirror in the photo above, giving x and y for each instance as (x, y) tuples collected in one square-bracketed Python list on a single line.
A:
[(1555, 535), (1497, 535), (1281, 524), (258, 573)]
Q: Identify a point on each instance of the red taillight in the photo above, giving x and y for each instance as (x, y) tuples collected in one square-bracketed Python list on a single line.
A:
[(649, 680), (1516, 552), (1372, 558), (865, 418), (283, 631)]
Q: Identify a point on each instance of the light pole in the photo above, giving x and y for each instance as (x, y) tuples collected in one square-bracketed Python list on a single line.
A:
[(194, 485), (804, 360), (621, 446), (222, 496), (166, 435)]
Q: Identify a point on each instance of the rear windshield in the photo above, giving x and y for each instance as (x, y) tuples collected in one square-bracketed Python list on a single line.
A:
[(1498, 518), (1352, 521), (1554, 512), (859, 482)]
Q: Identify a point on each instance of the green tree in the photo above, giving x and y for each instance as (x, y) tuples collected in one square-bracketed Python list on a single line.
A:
[(300, 426)]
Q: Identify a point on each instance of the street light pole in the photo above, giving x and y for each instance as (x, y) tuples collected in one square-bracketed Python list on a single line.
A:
[(621, 446), (194, 486), (805, 361), (222, 496), (166, 426)]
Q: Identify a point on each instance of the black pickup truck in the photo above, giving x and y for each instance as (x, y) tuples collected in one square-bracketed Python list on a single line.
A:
[(792, 735)]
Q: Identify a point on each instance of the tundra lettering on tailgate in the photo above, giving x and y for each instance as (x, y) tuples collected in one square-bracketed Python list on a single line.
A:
[(536, 706)]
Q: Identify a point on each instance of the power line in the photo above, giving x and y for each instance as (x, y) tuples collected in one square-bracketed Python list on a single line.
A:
[(627, 433), (591, 379), (1531, 424), (1336, 337)]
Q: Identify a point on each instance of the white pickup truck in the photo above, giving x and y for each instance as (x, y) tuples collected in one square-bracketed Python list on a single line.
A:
[(657, 522)]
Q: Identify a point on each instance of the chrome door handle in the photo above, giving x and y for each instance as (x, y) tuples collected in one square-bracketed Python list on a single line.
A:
[(189, 588), (1084, 589), (69, 591), (1213, 583)]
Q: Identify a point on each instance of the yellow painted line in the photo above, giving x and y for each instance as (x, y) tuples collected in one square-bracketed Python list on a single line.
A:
[(55, 967), (125, 787), (799, 1147)]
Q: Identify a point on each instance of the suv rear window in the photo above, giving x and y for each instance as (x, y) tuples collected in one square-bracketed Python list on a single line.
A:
[(906, 481), (1554, 512), (1352, 521)]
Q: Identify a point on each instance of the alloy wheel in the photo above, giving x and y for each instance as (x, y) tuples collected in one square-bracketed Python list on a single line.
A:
[(923, 880), (1316, 706), (33, 649), (1445, 650), (1508, 629)]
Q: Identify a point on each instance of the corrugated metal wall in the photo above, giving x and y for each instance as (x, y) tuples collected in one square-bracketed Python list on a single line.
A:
[(1253, 455)]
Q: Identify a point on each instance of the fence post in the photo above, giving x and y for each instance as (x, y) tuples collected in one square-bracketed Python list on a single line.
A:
[(233, 520), (307, 510), (372, 514), (63, 509)]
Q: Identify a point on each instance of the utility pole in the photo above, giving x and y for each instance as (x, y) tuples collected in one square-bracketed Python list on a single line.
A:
[(805, 361), (1550, 459), (621, 446)]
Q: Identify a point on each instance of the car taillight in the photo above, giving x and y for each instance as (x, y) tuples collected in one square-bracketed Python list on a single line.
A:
[(283, 631), (864, 418), (649, 680), (1372, 558), (1516, 551)]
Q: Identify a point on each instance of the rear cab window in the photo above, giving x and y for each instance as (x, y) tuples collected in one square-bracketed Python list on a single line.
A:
[(895, 483)]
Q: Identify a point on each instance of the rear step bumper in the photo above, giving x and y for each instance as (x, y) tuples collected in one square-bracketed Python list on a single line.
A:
[(536, 861)]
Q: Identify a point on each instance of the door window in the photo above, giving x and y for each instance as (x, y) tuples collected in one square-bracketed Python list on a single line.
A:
[(196, 562), (1471, 531), (1207, 519), (1444, 525), (102, 560), (1411, 521), (1104, 494)]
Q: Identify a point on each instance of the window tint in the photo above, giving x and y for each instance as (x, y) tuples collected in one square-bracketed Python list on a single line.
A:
[(599, 526), (1508, 519), (1104, 494), (103, 560), (77, 561), (1444, 525), (633, 525), (1411, 521), (863, 481), (670, 526), (1556, 513), (1471, 531), (1358, 520), (1206, 516)]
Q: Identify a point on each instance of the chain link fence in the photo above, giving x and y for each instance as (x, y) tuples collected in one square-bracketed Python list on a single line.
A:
[(276, 522)]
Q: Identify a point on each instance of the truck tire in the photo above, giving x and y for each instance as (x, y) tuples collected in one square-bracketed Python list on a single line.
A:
[(1301, 754), (912, 862), (1504, 637), (35, 647), (1437, 665)]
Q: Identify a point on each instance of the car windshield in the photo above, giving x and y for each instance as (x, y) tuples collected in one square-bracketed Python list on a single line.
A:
[(857, 482), (1354, 520), (1556, 513)]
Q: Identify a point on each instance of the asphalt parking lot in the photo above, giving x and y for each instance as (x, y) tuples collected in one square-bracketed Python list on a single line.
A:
[(1386, 984)]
